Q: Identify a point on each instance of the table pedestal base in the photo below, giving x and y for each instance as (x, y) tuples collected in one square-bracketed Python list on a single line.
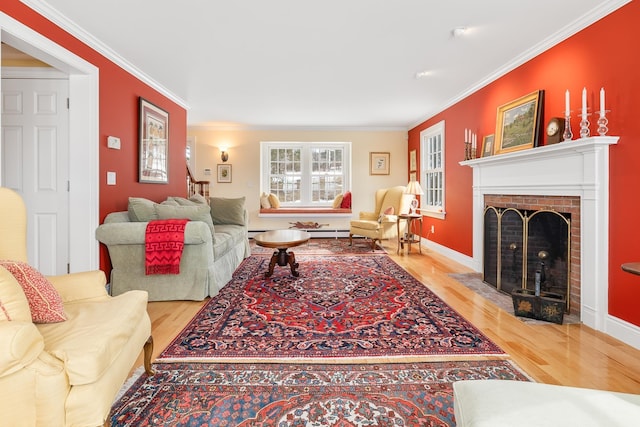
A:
[(282, 258)]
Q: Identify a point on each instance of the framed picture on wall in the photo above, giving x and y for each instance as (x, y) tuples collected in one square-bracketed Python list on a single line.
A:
[(224, 173), (518, 123), (413, 163), (153, 143), (487, 145), (379, 163)]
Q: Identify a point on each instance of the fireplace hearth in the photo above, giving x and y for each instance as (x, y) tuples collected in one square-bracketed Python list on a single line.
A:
[(528, 249)]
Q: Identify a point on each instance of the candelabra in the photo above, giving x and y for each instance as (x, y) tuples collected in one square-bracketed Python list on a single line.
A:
[(584, 126), (567, 135), (602, 123)]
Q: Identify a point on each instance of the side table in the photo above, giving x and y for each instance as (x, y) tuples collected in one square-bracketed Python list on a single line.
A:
[(409, 237)]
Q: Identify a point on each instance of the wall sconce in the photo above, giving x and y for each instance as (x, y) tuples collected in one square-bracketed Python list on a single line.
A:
[(224, 155)]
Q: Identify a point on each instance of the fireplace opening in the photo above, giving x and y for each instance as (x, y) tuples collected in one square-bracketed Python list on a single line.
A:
[(527, 249)]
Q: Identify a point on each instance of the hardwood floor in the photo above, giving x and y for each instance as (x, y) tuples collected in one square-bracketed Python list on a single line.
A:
[(573, 355)]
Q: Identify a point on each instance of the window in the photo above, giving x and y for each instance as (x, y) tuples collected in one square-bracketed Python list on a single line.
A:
[(432, 167), (305, 174)]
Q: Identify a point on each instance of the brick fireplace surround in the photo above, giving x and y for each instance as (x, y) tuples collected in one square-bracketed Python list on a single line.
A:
[(575, 170), (562, 204)]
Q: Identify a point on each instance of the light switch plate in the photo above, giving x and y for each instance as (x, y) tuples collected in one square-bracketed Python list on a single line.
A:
[(113, 142), (111, 178)]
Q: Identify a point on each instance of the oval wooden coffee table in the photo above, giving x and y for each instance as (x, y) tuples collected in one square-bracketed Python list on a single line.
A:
[(282, 240)]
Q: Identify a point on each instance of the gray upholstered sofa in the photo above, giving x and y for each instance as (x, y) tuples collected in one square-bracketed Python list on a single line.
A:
[(215, 243)]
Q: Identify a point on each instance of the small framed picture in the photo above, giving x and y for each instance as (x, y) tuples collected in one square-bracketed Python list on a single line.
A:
[(379, 163), (153, 143), (487, 146), (413, 164), (224, 173)]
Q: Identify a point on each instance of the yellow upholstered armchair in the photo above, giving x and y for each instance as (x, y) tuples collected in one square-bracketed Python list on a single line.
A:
[(66, 345), (381, 223)]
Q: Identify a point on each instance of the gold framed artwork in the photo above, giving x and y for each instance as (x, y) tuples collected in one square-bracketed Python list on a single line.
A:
[(413, 163), (379, 163), (224, 173), (153, 143), (487, 145), (518, 123)]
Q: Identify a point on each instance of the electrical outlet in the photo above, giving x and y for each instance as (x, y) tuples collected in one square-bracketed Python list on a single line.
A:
[(433, 229)]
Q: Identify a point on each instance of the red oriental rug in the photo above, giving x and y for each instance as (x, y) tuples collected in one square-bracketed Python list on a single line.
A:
[(289, 395), (344, 308)]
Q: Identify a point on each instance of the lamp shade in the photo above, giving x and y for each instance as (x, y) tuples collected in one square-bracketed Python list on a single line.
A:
[(414, 188)]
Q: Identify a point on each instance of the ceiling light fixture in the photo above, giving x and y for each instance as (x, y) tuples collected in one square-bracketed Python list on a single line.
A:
[(458, 32)]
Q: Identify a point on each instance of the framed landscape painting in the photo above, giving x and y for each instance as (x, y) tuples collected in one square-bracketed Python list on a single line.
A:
[(153, 144), (518, 123)]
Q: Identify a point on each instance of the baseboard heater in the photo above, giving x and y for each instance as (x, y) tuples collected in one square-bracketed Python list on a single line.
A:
[(325, 233)]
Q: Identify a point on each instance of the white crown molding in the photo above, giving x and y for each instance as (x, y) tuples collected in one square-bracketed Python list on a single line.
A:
[(46, 10), (572, 28)]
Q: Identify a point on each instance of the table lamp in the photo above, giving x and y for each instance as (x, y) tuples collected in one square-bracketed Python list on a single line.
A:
[(414, 188)]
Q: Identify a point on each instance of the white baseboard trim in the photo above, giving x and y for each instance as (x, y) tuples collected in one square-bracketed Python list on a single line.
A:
[(623, 330), (465, 260)]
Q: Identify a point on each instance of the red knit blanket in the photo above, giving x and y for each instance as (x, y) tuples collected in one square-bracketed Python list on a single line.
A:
[(164, 241)]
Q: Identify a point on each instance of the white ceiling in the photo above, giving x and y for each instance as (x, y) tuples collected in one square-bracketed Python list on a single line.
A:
[(334, 64)]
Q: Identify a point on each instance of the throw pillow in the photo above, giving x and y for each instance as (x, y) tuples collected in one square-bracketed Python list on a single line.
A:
[(274, 201), (44, 300), (141, 210), (346, 201), (388, 211), (264, 201), (199, 199), (192, 213), (227, 211), (181, 201), (13, 301), (337, 201)]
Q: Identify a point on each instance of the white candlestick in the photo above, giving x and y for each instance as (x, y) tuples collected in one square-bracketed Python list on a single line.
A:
[(584, 102), (567, 110), (601, 102)]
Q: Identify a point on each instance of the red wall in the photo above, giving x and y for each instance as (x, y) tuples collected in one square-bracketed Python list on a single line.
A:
[(602, 55), (118, 105)]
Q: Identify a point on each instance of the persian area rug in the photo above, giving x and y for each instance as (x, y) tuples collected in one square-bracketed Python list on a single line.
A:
[(326, 246), (346, 308), (474, 282), (279, 395)]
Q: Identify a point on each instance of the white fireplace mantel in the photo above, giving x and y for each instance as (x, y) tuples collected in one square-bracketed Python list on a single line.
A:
[(574, 168)]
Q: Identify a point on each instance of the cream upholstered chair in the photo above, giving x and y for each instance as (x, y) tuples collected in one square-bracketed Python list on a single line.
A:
[(382, 222), (64, 373)]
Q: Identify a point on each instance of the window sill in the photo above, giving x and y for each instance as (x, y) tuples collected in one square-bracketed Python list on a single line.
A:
[(433, 214), (304, 212)]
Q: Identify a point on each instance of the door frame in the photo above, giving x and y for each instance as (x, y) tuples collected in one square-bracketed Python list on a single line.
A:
[(84, 163)]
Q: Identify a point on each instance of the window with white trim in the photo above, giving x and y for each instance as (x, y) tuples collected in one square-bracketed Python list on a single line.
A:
[(432, 170), (305, 174)]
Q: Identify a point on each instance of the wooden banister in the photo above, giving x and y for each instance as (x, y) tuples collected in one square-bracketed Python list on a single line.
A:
[(196, 187)]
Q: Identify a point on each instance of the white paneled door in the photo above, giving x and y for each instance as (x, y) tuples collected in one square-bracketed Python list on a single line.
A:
[(35, 163)]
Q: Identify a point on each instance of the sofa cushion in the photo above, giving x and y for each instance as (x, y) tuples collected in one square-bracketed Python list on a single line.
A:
[(227, 211), (13, 301), (365, 224), (264, 201), (193, 213), (141, 210), (44, 300), (198, 198), (346, 200), (337, 202), (274, 201), (94, 334)]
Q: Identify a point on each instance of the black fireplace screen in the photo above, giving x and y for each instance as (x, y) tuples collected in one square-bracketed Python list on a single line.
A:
[(524, 249)]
